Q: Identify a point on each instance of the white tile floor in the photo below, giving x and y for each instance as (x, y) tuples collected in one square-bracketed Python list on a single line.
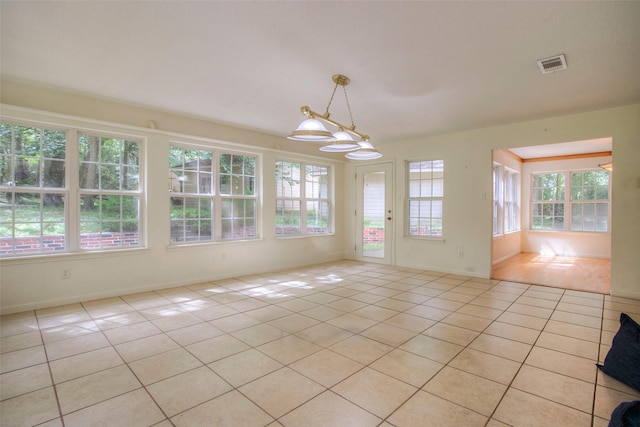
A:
[(340, 344)]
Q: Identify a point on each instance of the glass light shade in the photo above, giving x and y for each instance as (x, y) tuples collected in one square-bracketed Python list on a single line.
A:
[(366, 152), (311, 130), (344, 142)]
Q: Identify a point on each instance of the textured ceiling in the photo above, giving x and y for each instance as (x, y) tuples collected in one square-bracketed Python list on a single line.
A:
[(416, 68)]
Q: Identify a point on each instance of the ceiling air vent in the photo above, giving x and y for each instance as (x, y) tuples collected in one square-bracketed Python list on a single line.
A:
[(553, 64)]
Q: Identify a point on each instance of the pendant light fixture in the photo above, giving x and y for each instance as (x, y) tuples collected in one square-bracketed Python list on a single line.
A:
[(313, 129)]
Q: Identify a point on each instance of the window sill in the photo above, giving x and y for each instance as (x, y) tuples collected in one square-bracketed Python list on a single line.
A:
[(39, 258), (569, 232), (304, 236), (200, 245), (426, 239)]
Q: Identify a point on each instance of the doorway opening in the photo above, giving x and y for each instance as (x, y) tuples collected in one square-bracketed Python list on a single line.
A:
[(551, 215)]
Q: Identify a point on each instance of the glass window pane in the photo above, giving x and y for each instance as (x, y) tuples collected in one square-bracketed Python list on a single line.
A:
[(602, 209), (237, 185), (438, 187), (131, 155), (576, 179), (109, 177), (237, 165), (27, 172), (177, 207), (227, 228), (27, 140), (225, 163), (589, 209), (6, 139), (287, 217), (602, 192), (53, 144), (131, 178), (227, 208), (205, 230), (53, 173), (225, 184)]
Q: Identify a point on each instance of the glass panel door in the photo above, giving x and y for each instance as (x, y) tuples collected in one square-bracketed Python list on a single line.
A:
[(374, 214)]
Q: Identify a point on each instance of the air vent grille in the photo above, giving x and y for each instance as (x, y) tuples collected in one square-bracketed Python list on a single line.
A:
[(553, 64)]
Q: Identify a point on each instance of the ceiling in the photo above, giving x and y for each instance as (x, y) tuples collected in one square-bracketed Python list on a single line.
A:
[(600, 145), (416, 68)]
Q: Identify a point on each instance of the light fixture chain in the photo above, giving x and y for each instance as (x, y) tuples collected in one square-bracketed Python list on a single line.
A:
[(327, 114), (353, 126)]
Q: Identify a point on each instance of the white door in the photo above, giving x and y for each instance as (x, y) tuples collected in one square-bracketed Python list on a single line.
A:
[(374, 213)]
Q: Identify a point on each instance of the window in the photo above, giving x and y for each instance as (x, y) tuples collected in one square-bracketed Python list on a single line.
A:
[(511, 201), (425, 195), (237, 188), (547, 192), (191, 185), (584, 193), (498, 194), (201, 212), (590, 201), (302, 209), (40, 188), (506, 196), (109, 192)]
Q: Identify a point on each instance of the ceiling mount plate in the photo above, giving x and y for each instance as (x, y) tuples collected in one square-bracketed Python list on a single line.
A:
[(341, 80)]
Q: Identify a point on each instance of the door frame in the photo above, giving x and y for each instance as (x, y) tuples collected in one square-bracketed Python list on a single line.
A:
[(389, 224)]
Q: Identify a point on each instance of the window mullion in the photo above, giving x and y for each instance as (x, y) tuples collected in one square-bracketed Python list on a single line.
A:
[(303, 201), (566, 225), (72, 187), (216, 197)]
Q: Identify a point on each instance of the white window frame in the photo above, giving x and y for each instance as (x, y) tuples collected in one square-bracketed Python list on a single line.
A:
[(305, 198), (71, 192), (215, 195), (430, 193), (506, 200), (105, 192), (567, 201)]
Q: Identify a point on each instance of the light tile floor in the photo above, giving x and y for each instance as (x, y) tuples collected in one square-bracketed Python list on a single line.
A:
[(340, 344)]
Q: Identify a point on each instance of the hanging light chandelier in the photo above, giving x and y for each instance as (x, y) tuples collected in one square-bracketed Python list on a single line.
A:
[(313, 129)]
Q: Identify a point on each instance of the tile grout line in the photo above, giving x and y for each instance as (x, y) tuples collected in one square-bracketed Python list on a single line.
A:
[(525, 358), (53, 384), (361, 280), (595, 383)]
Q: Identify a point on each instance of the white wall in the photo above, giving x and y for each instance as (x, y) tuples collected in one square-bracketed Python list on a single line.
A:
[(35, 282), (27, 284), (468, 186)]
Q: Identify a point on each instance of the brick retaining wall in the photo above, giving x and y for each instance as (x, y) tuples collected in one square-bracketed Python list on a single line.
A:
[(55, 243)]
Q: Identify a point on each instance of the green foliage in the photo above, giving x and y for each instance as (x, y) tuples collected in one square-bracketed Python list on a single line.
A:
[(284, 173), (31, 156)]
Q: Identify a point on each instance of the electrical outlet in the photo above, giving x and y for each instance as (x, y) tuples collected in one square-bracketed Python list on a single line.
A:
[(460, 253), (65, 274)]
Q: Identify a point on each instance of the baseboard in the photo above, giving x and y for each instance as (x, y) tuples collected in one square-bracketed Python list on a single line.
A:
[(111, 293), (623, 293)]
